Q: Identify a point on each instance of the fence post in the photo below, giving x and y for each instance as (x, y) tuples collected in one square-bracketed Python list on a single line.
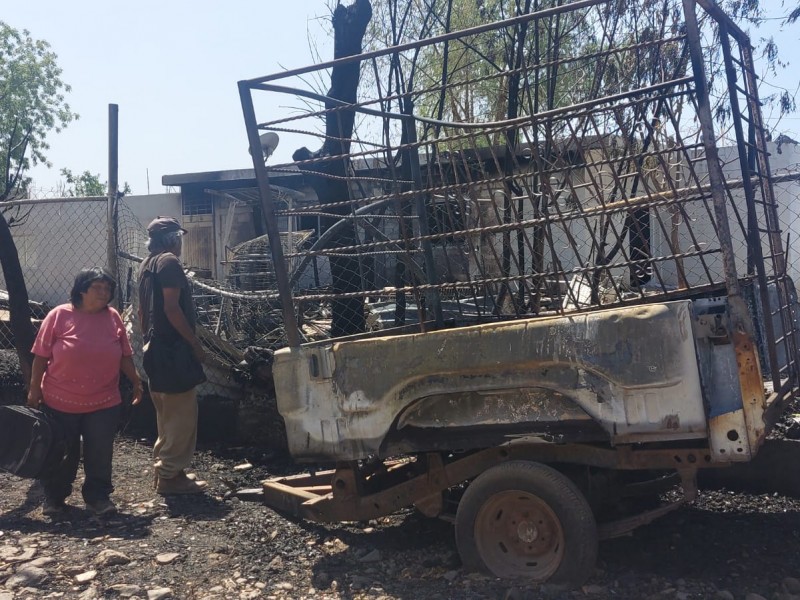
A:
[(113, 180)]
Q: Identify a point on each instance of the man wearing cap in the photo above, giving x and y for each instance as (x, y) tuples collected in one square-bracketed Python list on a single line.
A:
[(166, 310)]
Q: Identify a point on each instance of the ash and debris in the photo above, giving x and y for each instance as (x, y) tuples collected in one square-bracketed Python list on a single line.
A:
[(724, 545)]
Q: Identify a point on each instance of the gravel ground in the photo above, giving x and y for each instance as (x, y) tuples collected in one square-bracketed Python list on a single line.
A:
[(724, 545)]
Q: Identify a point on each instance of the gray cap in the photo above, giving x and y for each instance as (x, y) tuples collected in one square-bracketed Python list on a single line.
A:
[(164, 225)]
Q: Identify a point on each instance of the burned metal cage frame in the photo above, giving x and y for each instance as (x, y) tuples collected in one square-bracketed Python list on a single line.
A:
[(601, 187)]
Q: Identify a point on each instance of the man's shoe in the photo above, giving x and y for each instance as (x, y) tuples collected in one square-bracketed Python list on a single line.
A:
[(53, 508), (102, 507), (181, 473), (180, 484)]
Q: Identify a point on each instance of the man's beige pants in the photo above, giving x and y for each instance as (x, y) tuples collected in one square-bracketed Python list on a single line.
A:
[(176, 419)]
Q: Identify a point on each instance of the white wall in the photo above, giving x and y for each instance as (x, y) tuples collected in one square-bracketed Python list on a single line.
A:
[(146, 208), (787, 197), (58, 237)]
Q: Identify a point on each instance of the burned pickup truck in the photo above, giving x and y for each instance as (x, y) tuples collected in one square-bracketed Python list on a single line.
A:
[(546, 314)]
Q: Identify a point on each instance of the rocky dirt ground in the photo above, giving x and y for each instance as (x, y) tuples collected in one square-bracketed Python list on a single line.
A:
[(724, 546)]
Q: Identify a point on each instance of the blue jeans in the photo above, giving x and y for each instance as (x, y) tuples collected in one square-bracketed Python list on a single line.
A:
[(97, 429)]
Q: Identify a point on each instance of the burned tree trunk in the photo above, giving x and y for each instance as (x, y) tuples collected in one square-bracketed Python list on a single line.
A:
[(19, 309), (349, 25)]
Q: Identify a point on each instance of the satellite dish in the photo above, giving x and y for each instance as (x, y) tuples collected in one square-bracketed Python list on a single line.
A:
[(269, 141)]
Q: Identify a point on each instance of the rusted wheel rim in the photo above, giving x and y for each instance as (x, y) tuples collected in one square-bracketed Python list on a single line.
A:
[(518, 535)]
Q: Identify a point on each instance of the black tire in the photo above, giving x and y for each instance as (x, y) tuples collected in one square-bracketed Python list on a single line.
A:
[(526, 520)]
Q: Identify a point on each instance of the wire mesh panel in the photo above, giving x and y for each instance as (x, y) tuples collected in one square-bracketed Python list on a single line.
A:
[(552, 162), (55, 238)]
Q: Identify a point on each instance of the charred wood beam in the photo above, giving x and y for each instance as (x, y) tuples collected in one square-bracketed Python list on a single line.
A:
[(19, 309), (349, 26)]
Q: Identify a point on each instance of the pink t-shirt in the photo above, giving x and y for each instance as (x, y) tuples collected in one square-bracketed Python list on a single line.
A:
[(84, 352)]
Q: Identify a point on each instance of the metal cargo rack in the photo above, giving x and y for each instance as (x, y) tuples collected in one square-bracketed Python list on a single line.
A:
[(588, 185)]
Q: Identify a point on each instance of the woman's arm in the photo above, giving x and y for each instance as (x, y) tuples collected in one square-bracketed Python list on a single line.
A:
[(42, 351), (35, 388), (129, 370)]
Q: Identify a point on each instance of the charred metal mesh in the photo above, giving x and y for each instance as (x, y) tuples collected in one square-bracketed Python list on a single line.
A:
[(586, 183)]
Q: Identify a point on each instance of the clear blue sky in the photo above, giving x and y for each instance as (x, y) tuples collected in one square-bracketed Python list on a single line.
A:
[(788, 39), (172, 67)]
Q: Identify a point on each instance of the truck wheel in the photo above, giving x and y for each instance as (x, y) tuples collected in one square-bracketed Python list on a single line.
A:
[(524, 519)]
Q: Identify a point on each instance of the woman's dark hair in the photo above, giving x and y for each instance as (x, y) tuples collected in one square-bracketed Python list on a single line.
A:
[(84, 279)]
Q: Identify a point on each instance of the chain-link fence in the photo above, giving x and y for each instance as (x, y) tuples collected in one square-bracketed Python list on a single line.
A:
[(56, 237), (785, 164)]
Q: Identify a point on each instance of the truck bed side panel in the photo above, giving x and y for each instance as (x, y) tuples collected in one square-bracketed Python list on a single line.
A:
[(633, 371)]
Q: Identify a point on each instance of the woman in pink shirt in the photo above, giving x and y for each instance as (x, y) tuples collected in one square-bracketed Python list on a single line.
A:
[(78, 355)]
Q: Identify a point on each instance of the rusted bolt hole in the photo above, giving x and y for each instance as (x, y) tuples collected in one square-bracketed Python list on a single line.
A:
[(733, 435)]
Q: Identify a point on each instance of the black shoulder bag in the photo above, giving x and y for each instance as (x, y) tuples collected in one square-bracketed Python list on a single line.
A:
[(32, 442), (170, 364)]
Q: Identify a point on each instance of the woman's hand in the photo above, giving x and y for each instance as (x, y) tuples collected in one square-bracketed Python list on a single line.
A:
[(129, 370), (137, 392), (34, 397)]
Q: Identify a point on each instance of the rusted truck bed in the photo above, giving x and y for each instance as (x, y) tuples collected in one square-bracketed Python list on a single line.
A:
[(618, 376)]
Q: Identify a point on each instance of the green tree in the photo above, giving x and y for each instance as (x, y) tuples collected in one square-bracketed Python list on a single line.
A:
[(476, 94), (87, 184), (32, 105)]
